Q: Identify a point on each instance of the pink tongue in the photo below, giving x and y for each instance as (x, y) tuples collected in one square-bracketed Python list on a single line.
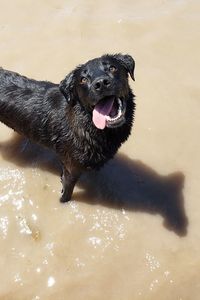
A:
[(101, 110)]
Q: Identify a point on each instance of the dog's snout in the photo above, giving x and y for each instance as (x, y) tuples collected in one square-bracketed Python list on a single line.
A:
[(101, 83)]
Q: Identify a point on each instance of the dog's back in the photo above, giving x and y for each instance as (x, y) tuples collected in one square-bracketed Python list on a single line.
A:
[(9, 78), (22, 102)]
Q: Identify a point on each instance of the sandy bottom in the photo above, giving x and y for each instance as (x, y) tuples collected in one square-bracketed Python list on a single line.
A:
[(132, 230)]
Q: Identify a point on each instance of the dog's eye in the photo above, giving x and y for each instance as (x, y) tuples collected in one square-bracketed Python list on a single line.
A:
[(112, 69), (84, 80)]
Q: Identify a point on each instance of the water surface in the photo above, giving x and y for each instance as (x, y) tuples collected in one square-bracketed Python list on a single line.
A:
[(132, 231)]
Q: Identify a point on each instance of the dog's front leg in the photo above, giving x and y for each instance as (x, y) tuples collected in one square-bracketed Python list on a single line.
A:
[(68, 179)]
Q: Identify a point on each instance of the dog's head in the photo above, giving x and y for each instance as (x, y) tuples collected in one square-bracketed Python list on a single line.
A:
[(101, 86)]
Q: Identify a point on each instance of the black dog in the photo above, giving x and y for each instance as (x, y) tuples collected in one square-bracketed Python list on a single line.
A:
[(84, 120)]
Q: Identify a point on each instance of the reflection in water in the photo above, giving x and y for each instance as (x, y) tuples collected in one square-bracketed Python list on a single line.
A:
[(132, 185), (25, 153), (122, 183), (4, 223), (51, 281)]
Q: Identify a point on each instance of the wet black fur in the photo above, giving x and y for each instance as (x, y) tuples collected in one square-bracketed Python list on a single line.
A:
[(59, 116)]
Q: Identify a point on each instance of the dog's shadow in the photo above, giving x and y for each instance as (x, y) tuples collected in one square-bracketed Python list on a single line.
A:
[(121, 183)]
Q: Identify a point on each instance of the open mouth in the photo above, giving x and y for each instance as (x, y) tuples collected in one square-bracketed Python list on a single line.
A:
[(109, 112)]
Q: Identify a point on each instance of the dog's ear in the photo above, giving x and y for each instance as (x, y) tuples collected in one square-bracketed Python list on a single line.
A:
[(128, 62), (67, 86)]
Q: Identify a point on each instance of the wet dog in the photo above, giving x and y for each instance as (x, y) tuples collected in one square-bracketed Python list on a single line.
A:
[(84, 119)]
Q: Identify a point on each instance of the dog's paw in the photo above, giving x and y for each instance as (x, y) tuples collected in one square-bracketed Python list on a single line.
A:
[(65, 198)]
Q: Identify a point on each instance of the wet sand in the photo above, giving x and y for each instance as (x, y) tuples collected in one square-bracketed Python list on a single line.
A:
[(132, 230)]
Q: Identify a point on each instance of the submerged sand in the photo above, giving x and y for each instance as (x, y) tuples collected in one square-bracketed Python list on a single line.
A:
[(132, 231)]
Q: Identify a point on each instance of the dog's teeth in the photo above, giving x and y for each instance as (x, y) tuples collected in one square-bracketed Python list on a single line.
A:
[(120, 103), (119, 114)]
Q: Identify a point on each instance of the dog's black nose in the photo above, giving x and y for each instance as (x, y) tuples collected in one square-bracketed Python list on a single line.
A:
[(101, 83)]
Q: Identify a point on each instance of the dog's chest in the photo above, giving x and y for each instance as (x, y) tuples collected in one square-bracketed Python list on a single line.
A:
[(94, 148)]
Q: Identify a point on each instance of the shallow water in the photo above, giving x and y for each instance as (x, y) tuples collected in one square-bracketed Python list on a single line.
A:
[(132, 231)]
